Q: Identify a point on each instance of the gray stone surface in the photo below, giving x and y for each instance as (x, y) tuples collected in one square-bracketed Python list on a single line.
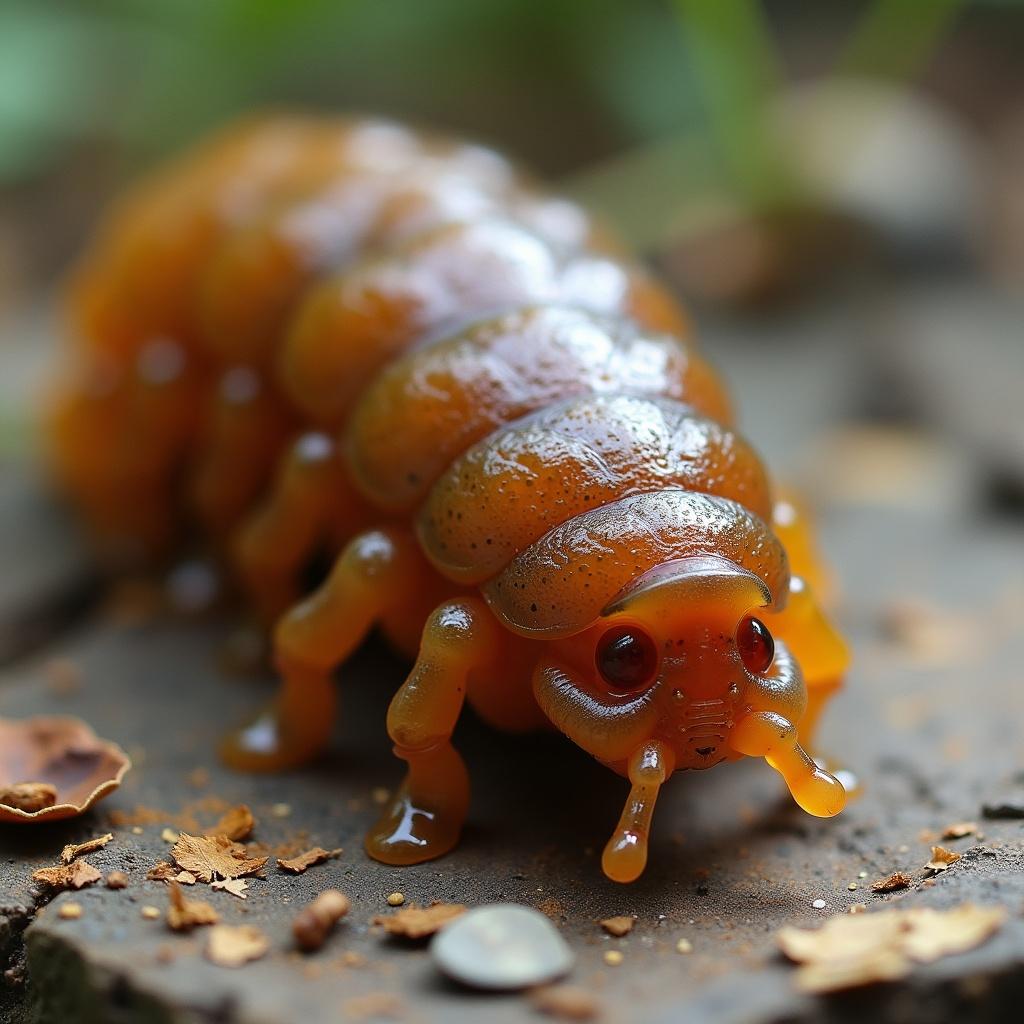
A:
[(930, 721)]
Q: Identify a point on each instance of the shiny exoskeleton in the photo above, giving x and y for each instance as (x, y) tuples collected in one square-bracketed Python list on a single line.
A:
[(316, 334)]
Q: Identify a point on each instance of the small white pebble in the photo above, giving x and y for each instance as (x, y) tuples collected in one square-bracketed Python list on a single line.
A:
[(613, 958), (281, 810), (396, 899), (684, 946), (150, 913), (862, 874), (819, 904), (137, 830), (170, 836), (70, 911), (852, 887)]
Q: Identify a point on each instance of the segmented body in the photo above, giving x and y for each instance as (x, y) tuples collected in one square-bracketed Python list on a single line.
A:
[(313, 333)]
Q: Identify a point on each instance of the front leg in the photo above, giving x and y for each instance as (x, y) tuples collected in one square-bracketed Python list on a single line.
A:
[(425, 816), (378, 573)]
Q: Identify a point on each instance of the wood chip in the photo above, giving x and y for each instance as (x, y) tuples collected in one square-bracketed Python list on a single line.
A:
[(70, 911), (897, 880), (567, 1002), (850, 951), (313, 924), (296, 865), (210, 857), (234, 945), (183, 915), (419, 922), (29, 796), (116, 880), (73, 850), (68, 876), (236, 824), (960, 829), (234, 886), (618, 926), (941, 860)]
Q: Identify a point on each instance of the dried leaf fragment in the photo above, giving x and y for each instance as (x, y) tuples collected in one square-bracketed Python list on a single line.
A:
[(374, 1005), (161, 872), (29, 796), (185, 878), (897, 880), (567, 1002), (236, 824), (418, 922), (73, 850), (960, 829), (849, 951), (68, 876), (313, 924), (618, 926), (235, 886), (235, 945), (296, 865), (941, 860), (210, 857), (184, 915)]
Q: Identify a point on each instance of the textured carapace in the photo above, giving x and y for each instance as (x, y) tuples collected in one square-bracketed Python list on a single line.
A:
[(314, 335)]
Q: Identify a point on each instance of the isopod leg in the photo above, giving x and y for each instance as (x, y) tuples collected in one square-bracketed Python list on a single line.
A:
[(625, 855), (309, 500), (769, 735), (376, 573), (425, 817)]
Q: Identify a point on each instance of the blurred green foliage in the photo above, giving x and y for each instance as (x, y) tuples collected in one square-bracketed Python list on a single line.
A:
[(563, 82)]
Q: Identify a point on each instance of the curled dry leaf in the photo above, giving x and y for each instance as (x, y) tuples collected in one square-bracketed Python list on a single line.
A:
[(183, 915), (897, 880), (59, 754), (296, 865), (73, 850), (419, 922), (941, 860), (618, 926), (210, 857), (68, 876), (313, 924), (850, 951), (232, 946), (236, 824)]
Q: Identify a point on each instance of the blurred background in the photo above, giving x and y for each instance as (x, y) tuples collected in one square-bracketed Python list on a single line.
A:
[(811, 177)]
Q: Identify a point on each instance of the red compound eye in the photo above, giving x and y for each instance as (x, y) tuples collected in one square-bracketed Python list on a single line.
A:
[(757, 648), (627, 659)]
